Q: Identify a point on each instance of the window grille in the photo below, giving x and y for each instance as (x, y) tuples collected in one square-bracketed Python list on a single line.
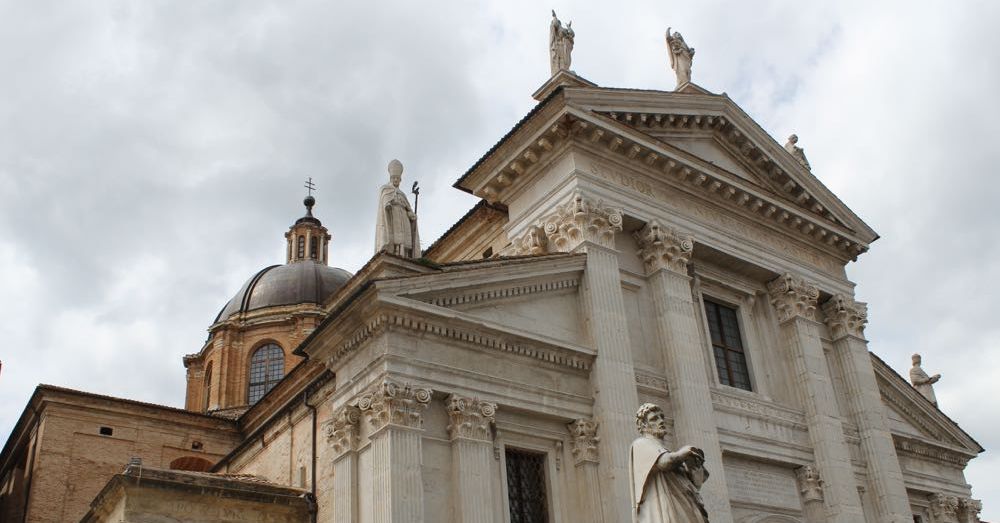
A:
[(727, 345), (267, 366), (526, 487)]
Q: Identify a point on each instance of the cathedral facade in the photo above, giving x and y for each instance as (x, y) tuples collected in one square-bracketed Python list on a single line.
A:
[(629, 246)]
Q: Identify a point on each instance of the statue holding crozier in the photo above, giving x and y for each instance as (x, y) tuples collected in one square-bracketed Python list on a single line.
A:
[(665, 484)]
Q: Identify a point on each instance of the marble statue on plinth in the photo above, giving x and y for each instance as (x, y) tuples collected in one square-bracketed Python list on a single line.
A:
[(396, 224), (922, 382), (681, 57), (665, 485), (797, 151), (560, 45)]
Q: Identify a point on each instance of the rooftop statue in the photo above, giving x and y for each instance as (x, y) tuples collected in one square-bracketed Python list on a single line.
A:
[(665, 485), (396, 224), (560, 44), (797, 151), (922, 382), (681, 57)]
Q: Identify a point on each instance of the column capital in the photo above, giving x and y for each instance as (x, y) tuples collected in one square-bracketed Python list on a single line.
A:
[(584, 445), (970, 509), (391, 403), (793, 296), (342, 430), (845, 317), (662, 247), (810, 484), (582, 220), (944, 508), (470, 418)]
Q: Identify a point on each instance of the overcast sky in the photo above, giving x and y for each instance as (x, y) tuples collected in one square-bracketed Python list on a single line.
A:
[(152, 155)]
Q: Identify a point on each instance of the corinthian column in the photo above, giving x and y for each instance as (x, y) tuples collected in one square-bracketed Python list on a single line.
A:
[(469, 426), (395, 413), (795, 302), (845, 319), (584, 446), (583, 225), (666, 254), (342, 435)]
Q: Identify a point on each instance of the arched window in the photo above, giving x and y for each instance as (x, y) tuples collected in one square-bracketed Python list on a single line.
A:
[(192, 463), (302, 248), (313, 247), (267, 366), (208, 384)]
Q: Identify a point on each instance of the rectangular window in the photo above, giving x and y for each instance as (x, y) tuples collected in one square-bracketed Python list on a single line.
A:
[(526, 487), (727, 345)]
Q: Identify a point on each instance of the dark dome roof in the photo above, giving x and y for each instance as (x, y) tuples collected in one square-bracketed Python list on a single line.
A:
[(292, 284)]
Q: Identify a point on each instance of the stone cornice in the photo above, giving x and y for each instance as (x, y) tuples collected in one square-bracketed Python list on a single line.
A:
[(793, 297), (584, 443), (845, 317), (395, 404), (470, 418), (451, 300), (582, 220), (662, 247), (742, 404), (913, 447)]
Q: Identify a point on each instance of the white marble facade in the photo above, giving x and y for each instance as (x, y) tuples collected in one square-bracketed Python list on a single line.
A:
[(623, 212)]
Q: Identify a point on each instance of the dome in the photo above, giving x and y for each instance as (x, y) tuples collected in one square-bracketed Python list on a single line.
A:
[(300, 282)]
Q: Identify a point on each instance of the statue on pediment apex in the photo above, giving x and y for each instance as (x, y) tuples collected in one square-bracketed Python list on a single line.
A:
[(922, 382), (560, 45), (681, 57), (396, 222), (665, 484), (797, 152)]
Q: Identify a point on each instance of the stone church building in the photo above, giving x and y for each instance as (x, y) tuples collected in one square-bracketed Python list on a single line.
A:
[(629, 246)]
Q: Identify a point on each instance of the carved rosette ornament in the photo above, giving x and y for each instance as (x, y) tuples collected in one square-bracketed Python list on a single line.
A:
[(342, 431), (845, 317), (582, 220), (792, 297), (969, 510), (585, 440), (470, 418), (944, 508), (662, 247), (394, 404), (810, 484)]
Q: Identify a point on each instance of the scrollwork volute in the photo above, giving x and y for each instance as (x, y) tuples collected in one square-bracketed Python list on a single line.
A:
[(582, 220), (845, 317), (944, 508), (470, 418), (810, 484), (391, 403), (532, 242), (793, 297), (342, 431), (662, 247), (584, 443)]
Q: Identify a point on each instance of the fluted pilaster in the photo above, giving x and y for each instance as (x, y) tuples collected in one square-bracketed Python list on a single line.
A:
[(811, 492), (845, 320), (470, 423), (666, 254), (342, 436), (794, 301), (585, 447)]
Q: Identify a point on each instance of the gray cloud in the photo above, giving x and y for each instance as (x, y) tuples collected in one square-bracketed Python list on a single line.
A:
[(152, 154)]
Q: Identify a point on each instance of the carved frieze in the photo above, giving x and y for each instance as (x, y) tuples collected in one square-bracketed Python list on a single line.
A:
[(793, 297), (944, 508), (584, 440), (342, 431), (662, 247), (470, 418), (391, 403), (810, 484), (582, 220), (845, 317)]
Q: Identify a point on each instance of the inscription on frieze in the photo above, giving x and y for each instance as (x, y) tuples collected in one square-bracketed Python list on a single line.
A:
[(762, 484)]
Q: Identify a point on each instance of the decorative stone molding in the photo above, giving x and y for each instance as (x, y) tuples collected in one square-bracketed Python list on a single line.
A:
[(501, 293), (584, 445), (662, 247), (342, 431), (944, 508), (919, 449), (654, 383), (582, 220), (793, 297), (845, 317), (969, 510), (810, 484), (532, 242), (757, 409), (394, 404), (470, 418)]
